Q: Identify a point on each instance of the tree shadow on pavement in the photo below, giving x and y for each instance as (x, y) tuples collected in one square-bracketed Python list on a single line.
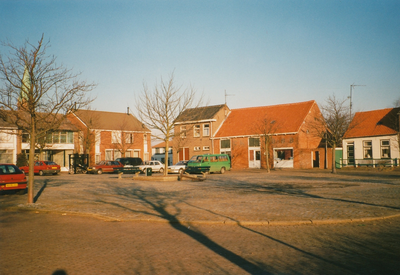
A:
[(39, 193), (157, 204), (296, 190)]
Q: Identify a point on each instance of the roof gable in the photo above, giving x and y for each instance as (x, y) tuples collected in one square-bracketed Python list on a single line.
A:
[(200, 113), (288, 119), (110, 121), (374, 123)]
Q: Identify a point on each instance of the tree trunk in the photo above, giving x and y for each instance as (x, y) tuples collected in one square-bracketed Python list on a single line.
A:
[(166, 157), (31, 160), (267, 154), (333, 158)]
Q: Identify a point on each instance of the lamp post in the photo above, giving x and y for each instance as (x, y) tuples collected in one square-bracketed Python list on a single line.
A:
[(351, 96)]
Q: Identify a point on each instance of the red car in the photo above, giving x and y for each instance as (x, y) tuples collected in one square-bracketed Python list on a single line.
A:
[(11, 178), (105, 166), (43, 167)]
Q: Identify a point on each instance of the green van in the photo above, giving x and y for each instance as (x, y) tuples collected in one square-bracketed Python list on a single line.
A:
[(216, 162)]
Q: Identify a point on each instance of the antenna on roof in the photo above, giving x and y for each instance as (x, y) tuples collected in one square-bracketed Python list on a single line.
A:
[(351, 96), (226, 96)]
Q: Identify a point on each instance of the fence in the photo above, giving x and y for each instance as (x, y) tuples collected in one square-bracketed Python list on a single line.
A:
[(369, 162)]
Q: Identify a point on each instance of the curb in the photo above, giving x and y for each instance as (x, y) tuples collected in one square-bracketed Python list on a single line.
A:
[(238, 223)]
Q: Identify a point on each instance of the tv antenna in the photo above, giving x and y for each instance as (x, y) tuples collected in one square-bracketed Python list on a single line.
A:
[(226, 96), (351, 95)]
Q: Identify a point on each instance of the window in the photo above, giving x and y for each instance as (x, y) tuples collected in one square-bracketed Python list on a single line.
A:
[(206, 130), (129, 138), (108, 154), (283, 140), (63, 137), (117, 154), (254, 142), (385, 149), (206, 148), (56, 137), (183, 131), (291, 140), (367, 149), (225, 144), (197, 148), (196, 131), (25, 137), (115, 137), (70, 137)]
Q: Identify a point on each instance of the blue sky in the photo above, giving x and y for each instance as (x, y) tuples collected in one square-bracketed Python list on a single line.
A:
[(262, 52)]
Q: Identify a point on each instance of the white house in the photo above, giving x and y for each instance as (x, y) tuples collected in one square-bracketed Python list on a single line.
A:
[(373, 139), (8, 142)]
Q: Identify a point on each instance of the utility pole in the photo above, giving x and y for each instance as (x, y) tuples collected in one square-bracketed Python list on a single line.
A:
[(226, 96), (351, 96)]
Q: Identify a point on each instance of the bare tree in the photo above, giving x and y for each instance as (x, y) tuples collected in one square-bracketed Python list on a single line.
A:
[(37, 93), (266, 127), (159, 108), (333, 123)]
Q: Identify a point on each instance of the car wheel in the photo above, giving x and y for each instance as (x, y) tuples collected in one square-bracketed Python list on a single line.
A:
[(99, 171), (161, 170), (144, 170), (40, 173), (180, 171), (222, 170)]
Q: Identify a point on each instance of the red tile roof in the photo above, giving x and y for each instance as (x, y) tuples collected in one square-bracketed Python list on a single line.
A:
[(374, 123), (110, 121), (287, 117)]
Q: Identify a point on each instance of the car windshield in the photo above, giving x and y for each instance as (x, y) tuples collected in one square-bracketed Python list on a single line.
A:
[(50, 163), (196, 159), (181, 163)]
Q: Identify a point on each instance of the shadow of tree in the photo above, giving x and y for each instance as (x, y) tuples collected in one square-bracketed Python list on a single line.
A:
[(157, 205), (39, 193)]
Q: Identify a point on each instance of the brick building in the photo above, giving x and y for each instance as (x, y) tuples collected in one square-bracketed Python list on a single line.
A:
[(195, 129), (293, 140), (110, 135)]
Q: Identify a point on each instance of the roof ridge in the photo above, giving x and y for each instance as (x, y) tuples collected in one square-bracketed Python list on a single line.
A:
[(255, 107), (377, 110)]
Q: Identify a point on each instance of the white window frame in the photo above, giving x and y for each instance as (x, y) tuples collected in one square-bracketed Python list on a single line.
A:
[(129, 138), (196, 148), (116, 137), (368, 147), (385, 147), (108, 152), (183, 131), (206, 148), (206, 130), (196, 130)]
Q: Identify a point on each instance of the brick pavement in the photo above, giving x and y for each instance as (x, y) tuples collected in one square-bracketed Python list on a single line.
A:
[(246, 197), (45, 243), (195, 233)]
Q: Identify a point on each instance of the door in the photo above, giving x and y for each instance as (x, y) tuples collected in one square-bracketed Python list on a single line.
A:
[(316, 159), (255, 158), (350, 154), (184, 154)]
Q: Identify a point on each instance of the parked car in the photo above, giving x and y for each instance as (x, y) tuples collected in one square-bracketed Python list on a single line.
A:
[(130, 161), (43, 167), (105, 166), (179, 167), (155, 166), (213, 162), (12, 178)]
